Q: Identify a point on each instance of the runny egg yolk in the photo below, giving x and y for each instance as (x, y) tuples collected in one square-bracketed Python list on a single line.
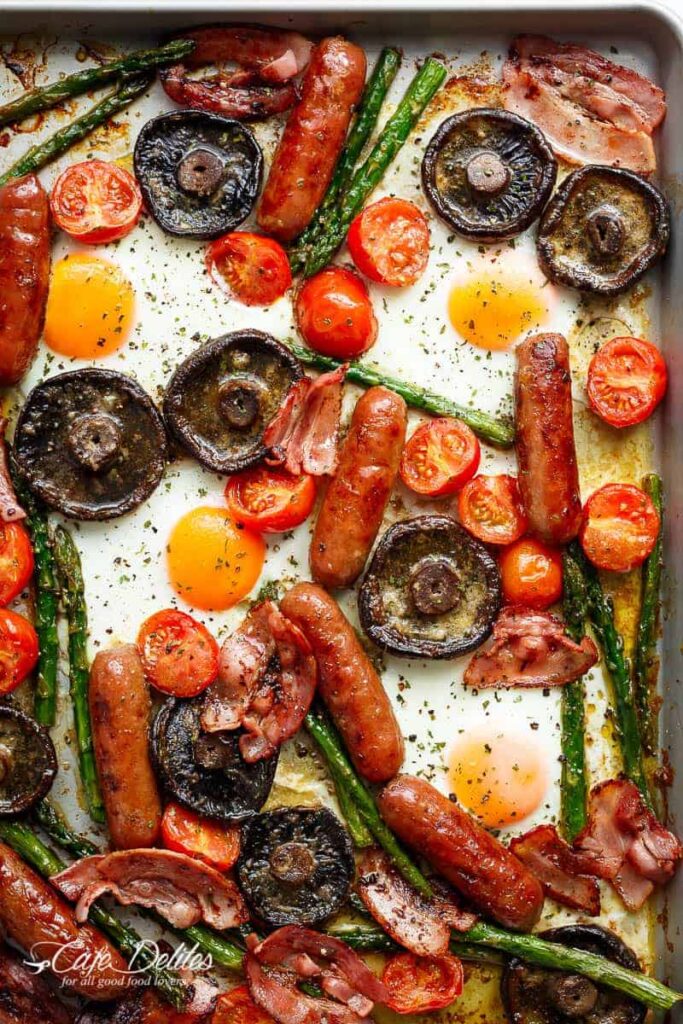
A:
[(89, 307), (497, 776), (212, 562), (491, 311)]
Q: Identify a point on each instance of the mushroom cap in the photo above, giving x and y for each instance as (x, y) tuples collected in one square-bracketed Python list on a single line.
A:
[(199, 173), (602, 230), (28, 763), (205, 771), (488, 173), (431, 590), (296, 865), (221, 398), (90, 443)]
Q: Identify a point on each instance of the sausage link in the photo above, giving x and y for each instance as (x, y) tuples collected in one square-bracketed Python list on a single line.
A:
[(348, 683), (548, 475), (120, 709), (467, 856), (24, 273), (312, 139), (36, 917), (351, 511)]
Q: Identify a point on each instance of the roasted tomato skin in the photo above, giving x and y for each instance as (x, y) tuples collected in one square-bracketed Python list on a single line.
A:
[(184, 831), (270, 500), (620, 527), (179, 655), (627, 380), (253, 268), (440, 457), (16, 560), (389, 242), (237, 1007), (96, 201), (18, 649), (531, 574), (420, 984), (490, 508), (335, 315)]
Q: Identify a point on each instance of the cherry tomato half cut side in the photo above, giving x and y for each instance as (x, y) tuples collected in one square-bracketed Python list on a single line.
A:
[(389, 242), (420, 984), (620, 527), (178, 654), (18, 650), (531, 573), (490, 507), (184, 831), (96, 201), (334, 314), (16, 560), (253, 268), (440, 457), (270, 500), (237, 1007), (626, 381)]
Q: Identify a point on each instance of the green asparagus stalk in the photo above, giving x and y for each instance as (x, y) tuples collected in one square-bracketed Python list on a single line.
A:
[(69, 568), (645, 663), (496, 431), (421, 90), (574, 786), (601, 614), (40, 857), (362, 128), (47, 96), (368, 939), (327, 739), (44, 152)]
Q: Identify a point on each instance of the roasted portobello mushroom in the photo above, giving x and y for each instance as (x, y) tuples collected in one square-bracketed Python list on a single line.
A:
[(28, 763), (488, 173), (296, 866), (431, 590), (221, 398), (602, 230)]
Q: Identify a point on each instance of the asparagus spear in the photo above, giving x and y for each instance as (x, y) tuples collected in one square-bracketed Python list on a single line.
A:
[(27, 844), (497, 431), (47, 96), (368, 939), (645, 664), (424, 85), (574, 786), (601, 614), (69, 567), (43, 152), (363, 125)]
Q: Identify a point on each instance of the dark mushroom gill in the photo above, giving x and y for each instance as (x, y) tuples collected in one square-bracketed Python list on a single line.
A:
[(28, 763)]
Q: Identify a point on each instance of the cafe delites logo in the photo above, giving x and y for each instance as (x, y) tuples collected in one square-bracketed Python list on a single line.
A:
[(70, 962)]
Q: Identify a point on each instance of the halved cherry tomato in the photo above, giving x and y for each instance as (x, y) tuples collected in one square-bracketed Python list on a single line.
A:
[(18, 649), (334, 314), (237, 1007), (418, 984), (96, 201), (531, 573), (389, 242), (440, 457), (179, 655), (16, 560), (270, 500), (253, 268), (183, 831), (620, 527), (491, 509), (626, 381)]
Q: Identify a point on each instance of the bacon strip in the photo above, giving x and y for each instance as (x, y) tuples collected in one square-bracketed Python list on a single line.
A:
[(304, 434), (530, 649), (558, 868), (10, 509)]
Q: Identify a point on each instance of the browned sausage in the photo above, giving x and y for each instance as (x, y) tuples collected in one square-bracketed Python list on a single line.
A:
[(313, 138), (120, 709), (348, 683), (548, 476), (36, 917), (24, 273), (351, 511), (467, 856)]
